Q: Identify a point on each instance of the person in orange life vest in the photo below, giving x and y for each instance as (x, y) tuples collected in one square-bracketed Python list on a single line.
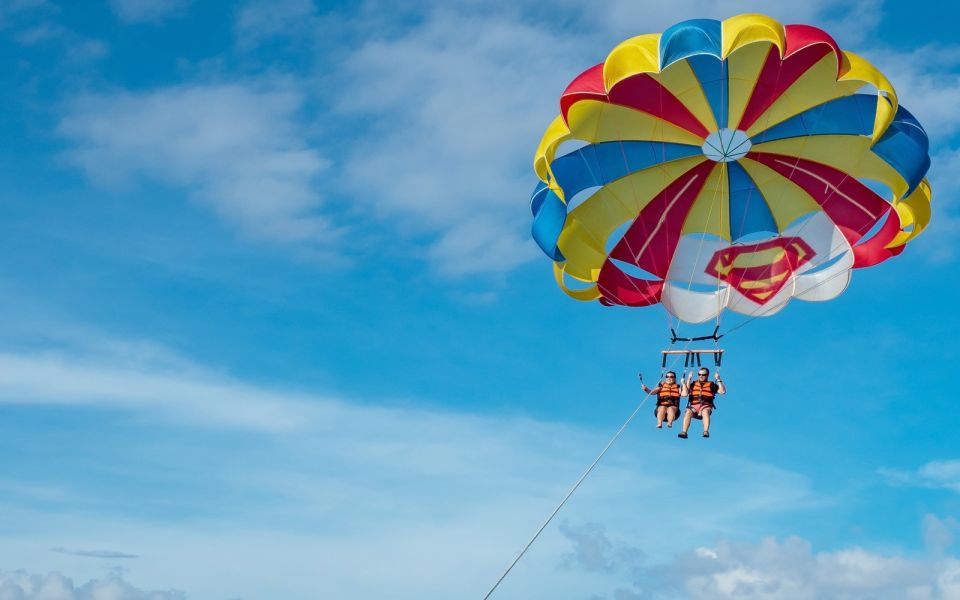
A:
[(668, 394), (702, 393)]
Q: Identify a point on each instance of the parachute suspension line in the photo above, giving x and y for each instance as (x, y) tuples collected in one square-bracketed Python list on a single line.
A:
[(692, 358), (716, 201), (600, 242), (663, 155), (724, 97), (803, 147), (573, 489), (846, 175), (754, 316), (768, 269), (725, 180), (767, 117)]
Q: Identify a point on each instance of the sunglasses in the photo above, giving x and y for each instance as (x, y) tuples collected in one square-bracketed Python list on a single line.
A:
[(671, 376), (703, 374)]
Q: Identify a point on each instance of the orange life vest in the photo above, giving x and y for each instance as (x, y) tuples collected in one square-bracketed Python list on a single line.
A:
[(669, 394), (701, 392)]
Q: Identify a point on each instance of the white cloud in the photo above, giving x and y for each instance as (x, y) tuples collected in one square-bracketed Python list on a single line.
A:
[(849, 21), (260, 21), (927, 84), (792, 570), (447, 115), (941, 473), (771, 569), (54, 586), (938, 534), (147, 11), (938, 474), (594, 550), (462, 98), (238, 148), (456, 109), (939, 240)]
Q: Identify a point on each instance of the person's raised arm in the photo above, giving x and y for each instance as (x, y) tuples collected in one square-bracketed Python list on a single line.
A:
[(721, 389), (647, 390)]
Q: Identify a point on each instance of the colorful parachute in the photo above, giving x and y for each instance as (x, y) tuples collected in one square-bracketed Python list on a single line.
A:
[(727, 165)]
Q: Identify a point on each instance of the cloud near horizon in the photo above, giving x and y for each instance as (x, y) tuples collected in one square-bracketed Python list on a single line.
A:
[(20, 585), (771, 569)]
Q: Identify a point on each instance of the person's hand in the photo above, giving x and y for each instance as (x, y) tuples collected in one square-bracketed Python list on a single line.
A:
[(717, 377), (640, 375)]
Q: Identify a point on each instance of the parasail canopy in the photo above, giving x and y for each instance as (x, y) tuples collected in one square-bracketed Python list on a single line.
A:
[(727, 165)]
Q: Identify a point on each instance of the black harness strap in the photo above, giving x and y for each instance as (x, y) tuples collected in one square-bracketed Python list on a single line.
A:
[(674, 339)]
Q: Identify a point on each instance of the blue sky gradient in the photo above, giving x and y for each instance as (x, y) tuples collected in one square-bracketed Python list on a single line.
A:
[(275, 327)]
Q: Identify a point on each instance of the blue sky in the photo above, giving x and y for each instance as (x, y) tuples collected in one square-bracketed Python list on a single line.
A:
[(274, 326)]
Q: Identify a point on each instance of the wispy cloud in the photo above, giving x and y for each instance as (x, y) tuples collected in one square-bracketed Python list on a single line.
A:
[(82, 367), (237, 148), (60, 379), (938, 474), (595, 551), (12, 9), (927, 82), (450, 132), (36, 23), (260, 21), (939, 534), (77, 48), (147, 11), (94, 553), (939, 240), (850, 21)]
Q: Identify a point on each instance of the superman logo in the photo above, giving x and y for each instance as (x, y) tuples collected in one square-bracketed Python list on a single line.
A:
[(759, 271)]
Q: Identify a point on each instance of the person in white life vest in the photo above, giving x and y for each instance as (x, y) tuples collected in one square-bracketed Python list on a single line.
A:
[(701, 395), (668, 393)]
